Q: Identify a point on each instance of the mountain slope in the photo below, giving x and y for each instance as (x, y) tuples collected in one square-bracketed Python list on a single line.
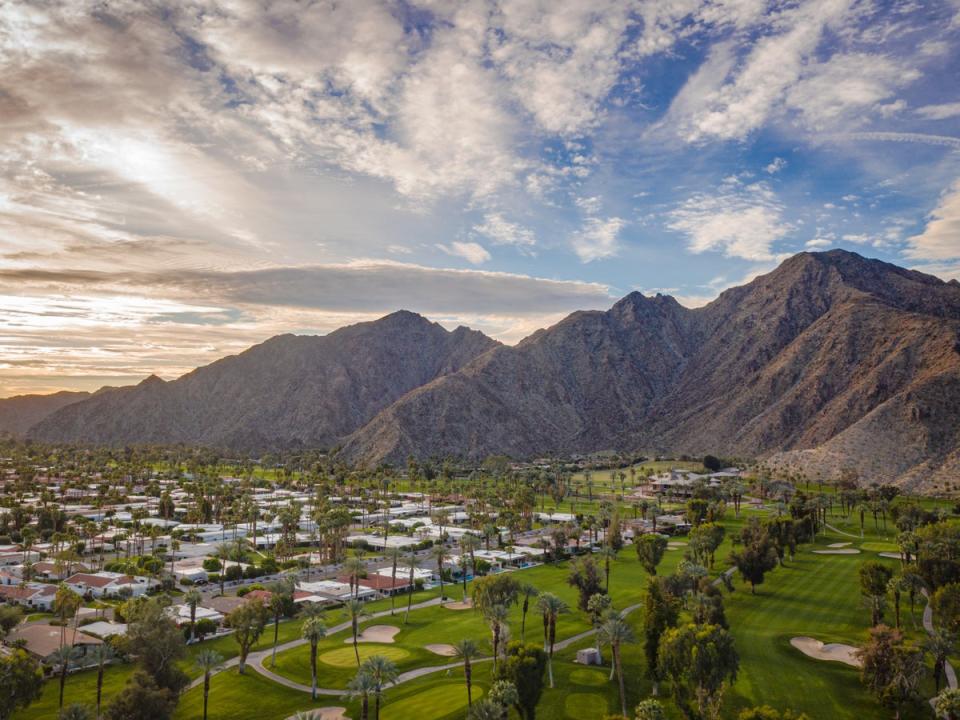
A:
[(825, 349), (286, 392), (21, 412)]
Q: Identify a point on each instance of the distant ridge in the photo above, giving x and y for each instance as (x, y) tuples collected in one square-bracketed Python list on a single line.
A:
[(830, 360), (21, 412)]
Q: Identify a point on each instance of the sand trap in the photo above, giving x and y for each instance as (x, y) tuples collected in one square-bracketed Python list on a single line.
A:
[(892, 556), (327, 713), (468, 605), (442, 649), (376, 634), (676, 544), (831, 651), (838, 551), (839, 545)]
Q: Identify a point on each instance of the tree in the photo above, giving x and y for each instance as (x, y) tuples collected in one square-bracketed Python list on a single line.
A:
[(191, 599), (361, 687), (940, 646), (10, 617), (313, 630), (142, 699), (650, 550), (281, 600), (757, 556), (704, 541), (102, 655), (467, 651), (155, 641), (76, 711), (439, 553), (874, 578), (394, 553), (947, 704), (661, 611), (650, 710), (382, 672), (615, 632), (496, 617), (21, 682), (355, 612), (946, 607), (891, 667), (524, 666), (247, 623), (550, 607), (585, 576), (207, 662), (490, 590), (527, 591), (63, 657), (699, 661)]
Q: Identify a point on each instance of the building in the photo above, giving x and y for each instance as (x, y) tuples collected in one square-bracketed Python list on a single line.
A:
[(43, 641), (108, 584)]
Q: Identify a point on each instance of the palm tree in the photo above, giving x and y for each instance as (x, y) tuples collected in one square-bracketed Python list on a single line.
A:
[(355, 612), (394, 554), (192, 598), (208, 662), (496, 617), (550, 607), (314, 630), (63, 657), (468, 651), (354, 568), (413, 565), (608, 554), (439, 553), (383, 672), (223, 552), (281, 591), (360, 688), (527, 591), (615, 632), (102, 655)]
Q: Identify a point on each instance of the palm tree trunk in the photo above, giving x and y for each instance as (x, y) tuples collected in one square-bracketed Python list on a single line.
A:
[(276, 638), (467, 670), (206, 692), (313, 670), (623, 692)]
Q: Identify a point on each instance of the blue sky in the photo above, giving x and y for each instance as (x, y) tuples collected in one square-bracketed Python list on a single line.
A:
[(179, 181)]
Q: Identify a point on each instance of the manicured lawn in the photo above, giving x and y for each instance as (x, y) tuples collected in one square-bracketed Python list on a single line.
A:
[(81, 688)]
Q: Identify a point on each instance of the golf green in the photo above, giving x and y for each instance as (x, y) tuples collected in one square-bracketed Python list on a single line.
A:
[(345, 656)]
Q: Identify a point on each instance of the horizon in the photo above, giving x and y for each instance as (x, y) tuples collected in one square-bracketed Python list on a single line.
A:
[(448, 327), (181, 182)]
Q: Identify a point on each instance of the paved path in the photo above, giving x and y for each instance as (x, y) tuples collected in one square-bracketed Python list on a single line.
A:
[(928, 626), (830, 527)]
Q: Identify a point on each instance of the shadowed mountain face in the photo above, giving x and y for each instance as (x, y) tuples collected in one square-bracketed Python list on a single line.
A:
[(289, 391), (18, 414), (831, 359)]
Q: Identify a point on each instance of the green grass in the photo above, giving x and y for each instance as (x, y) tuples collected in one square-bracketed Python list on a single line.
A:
[(879, 547), (81, 688), (444, 699), (345, 657)]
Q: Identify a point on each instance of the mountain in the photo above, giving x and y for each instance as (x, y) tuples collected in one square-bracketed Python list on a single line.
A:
[(289, 391), (21, 412), (830, 361)]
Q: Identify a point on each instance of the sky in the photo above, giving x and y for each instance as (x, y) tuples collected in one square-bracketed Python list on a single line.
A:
[(181, 180)]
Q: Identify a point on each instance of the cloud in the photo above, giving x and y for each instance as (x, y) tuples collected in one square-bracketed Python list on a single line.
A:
[(598, 238), (901, 137), (741, 222), (501, 231), (775, 166), (470, 251), (939, 112), (940, 239)]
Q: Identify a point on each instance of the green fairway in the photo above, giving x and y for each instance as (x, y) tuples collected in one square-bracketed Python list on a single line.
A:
[(445, 699), (346, 657)]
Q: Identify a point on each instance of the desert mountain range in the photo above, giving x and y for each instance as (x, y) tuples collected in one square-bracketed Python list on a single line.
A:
[(831, 360)]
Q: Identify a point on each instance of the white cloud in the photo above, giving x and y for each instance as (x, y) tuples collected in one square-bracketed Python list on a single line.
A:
[(940, 239), (501, 231), (742, 222), (598, 238), (939, 112), (775, 166), (470, 251)]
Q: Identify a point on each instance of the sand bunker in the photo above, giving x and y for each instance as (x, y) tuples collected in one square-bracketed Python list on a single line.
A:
[(468, 605), (376, 634), (838, 551), (839, 545), (831, 651), (892, 556), (442, 649), (327, 713), (676, 544)]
